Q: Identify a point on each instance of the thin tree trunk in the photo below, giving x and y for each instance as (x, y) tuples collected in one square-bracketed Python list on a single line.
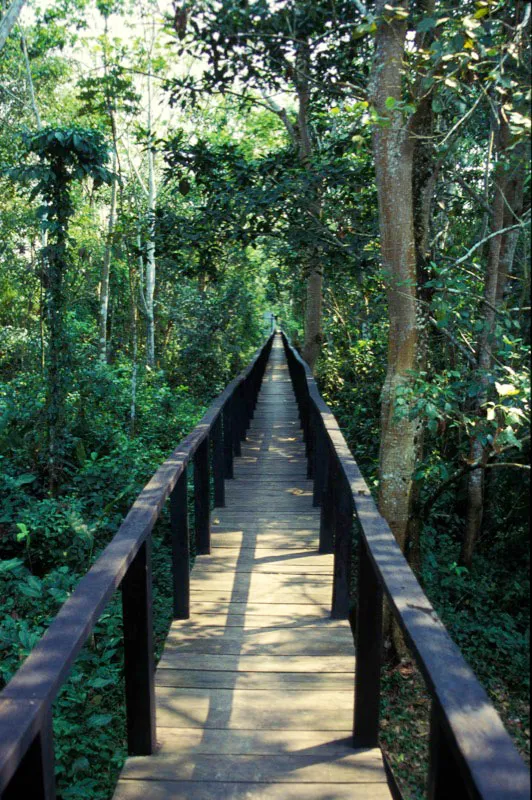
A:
[(44, 233), (507, 205), (29, 78), (512, 213), (106, 270), (58, 349), (150, 245), (133, 314)]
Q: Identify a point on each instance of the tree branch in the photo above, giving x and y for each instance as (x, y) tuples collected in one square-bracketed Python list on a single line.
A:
[(427, 506), (459, 346), (283, 116)]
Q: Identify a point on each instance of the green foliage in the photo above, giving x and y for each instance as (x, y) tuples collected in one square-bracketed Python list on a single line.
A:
[(233, 220)]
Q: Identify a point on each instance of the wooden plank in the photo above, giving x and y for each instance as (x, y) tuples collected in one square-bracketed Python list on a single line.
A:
[(185, 790), (249, 505), (313, 641), (363, 766), (281, 594), (225, 537), (245, 709), (297, 617), (282, 568), (287, 610), (290, 493), (258, 581), (259, 663), (254, 525), (263, 560), (253, 742), (280, 681)]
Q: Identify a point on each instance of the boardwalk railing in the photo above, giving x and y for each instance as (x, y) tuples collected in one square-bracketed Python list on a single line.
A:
[(26, 738), (471, 753)]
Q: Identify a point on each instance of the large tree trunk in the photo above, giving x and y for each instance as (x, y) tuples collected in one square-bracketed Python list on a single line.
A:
[(393, 150), (312, 261), (313, 314)]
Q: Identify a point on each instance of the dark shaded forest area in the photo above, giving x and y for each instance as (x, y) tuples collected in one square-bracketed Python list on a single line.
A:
[(172, 175)]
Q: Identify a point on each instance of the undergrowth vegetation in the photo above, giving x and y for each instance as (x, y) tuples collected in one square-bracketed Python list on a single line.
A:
[(48, 543)]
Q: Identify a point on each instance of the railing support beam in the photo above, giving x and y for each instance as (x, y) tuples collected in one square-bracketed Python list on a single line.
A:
[(228, 439), (138, 653), (343, 543), (369, 652), (444, 778), (328, 510), (218, 463), (180, 547), (202, 499), (35, 775)]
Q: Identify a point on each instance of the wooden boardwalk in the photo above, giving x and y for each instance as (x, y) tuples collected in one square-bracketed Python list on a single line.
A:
[(255, 691)]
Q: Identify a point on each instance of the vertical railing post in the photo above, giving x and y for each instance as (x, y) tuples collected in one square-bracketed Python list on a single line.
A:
[(248, 405), (444, 778), (343, 545), (35, 775), (311, 439), (244, 410), (138, 653), (228, 439), (328, 505), (236, 411), (202, 499), (320, 460), (369, 651), (180, 547), (218, 463)]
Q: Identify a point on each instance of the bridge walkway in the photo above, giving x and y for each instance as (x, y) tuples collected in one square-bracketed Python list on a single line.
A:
[(255, 691)]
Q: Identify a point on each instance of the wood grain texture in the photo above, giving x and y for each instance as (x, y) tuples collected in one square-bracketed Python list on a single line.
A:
[(255, 692), (187, 790)]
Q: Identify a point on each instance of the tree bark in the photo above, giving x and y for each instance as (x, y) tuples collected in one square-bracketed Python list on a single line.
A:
[(58, 346), (507, 205), (9, 20), (393, 150), (133, 315), (106, 271), (425, 172), (150, 245), (313, 261)]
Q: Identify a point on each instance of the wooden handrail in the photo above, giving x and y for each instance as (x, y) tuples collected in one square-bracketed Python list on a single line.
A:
[(26, 739), (471, 753)]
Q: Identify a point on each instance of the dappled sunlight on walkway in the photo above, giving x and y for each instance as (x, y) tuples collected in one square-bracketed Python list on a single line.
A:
[(255, 690)]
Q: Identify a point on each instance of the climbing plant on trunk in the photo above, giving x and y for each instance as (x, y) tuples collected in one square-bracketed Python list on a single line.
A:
[(56, 159)]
